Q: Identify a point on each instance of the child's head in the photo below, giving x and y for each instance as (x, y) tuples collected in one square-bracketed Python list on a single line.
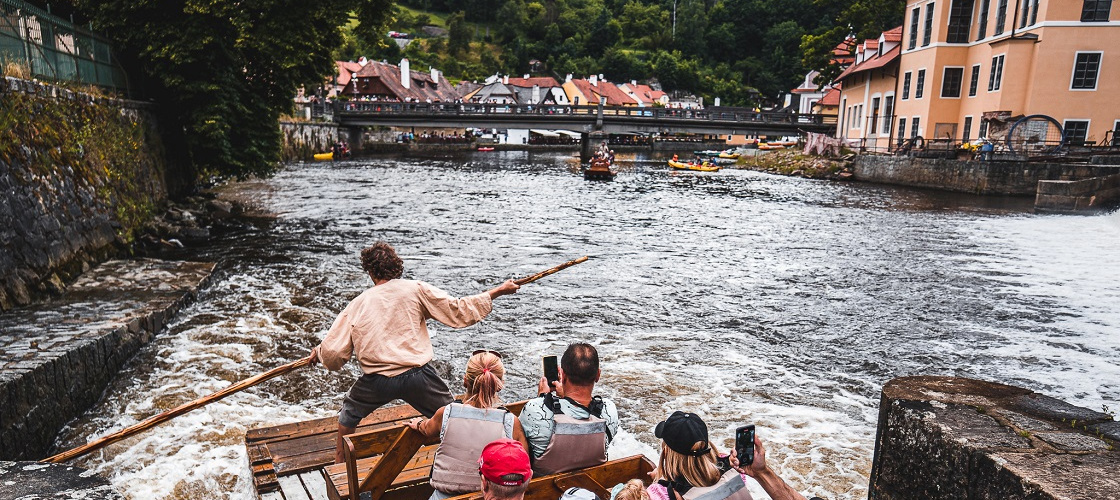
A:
[(632, 490)]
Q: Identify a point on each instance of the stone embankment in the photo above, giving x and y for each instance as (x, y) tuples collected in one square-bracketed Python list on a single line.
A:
[(31, 480), (962, 439), (793, 162), (56, 358)]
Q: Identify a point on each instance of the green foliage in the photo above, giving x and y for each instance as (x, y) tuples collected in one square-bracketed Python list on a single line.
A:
[(459, 35), (223, 71), (861, 19)]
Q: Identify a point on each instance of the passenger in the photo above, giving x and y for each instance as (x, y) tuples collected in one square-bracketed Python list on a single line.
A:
[(464, 429), (633, 489), (688, 469), (571, 428), (675, 157), (504, 467), (385, 329)]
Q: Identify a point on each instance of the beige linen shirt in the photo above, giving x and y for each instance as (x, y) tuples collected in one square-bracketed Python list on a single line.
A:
[(385, 327)]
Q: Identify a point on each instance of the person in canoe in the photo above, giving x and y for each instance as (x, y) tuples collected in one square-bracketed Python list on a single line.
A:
[(465, 428), (385, 329)]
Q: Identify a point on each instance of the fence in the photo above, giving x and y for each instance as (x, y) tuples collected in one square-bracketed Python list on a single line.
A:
[(54, 49)]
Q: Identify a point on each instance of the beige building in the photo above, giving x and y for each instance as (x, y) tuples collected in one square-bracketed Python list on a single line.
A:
[(963, 60), (867, 93)]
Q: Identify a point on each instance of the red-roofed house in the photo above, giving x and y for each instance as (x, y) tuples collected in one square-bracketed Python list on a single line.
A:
[(382, 81), (867, 95), (644, 94), (587, 92), (828, 105)]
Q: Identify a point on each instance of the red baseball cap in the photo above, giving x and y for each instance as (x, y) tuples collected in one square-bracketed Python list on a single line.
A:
[(504, 457)]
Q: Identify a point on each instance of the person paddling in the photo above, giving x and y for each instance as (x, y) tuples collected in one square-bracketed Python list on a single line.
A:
[(385, 329)]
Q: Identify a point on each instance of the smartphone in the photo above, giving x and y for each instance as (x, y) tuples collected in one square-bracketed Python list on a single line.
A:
[(551, 370), (744, 445), (723, 463)]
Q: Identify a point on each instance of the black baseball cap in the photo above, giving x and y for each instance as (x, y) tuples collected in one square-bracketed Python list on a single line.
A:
[(681, 431)]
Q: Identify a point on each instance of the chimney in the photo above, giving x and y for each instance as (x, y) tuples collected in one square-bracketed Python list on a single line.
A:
[(505, 80), (362, 61), (406, 76), (536, 93), (568, 78), (435, 75), (601, 77), (594, 80), (526, 76), (633, 83)]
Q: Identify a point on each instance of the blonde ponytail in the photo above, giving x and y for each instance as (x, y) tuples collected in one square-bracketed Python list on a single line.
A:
[(485, 375)]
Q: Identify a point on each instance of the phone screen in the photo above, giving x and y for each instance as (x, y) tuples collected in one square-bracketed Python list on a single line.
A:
[(744, 445), (551, 369)]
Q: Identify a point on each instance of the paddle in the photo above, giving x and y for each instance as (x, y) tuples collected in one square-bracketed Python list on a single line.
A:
[(170, 414), (534, 277), (238, 387)]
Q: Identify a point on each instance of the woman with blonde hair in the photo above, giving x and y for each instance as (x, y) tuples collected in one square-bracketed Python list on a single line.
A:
[(687, 468), (465, 428)]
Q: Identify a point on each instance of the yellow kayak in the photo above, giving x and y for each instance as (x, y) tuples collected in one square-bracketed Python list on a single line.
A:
[(732, 156), (324, 156), (692, 166)]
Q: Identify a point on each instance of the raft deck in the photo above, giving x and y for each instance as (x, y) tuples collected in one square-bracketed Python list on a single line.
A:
[(296, 462)]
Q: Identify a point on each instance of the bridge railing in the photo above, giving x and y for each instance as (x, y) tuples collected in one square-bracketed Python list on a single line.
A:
[(722, 114)]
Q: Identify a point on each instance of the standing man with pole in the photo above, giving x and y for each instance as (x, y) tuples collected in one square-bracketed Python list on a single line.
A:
[(385, 328)]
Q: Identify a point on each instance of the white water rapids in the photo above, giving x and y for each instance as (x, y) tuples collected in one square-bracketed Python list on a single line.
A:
[(745, 297)]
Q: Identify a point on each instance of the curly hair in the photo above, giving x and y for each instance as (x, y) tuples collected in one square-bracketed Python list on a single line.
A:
[(381, 261)]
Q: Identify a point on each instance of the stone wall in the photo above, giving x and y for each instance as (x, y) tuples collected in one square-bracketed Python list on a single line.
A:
[(304, 139), (1098, 193), (963, 439), (980, 177), (77, 174)]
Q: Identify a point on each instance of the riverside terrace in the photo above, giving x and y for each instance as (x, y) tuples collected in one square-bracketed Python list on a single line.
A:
[(584, 119)]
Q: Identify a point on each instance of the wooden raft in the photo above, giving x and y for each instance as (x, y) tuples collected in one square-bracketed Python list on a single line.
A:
[(387, 461)]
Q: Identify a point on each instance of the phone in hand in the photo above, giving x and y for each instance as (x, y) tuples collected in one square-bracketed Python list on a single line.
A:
[(551, 370), (723, 463), (744, 445)]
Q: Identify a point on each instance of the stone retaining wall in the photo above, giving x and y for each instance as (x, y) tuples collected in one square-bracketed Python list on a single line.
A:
[(64, 198), (962, 439), (1098, 193), (57, 358), (301, 140), (980, 177)]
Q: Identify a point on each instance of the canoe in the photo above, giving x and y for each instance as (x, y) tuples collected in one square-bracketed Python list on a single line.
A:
[(692, 166), (388, 460), (732, 156), (324, 156), (485, 148), (766, 146), (598, 171)]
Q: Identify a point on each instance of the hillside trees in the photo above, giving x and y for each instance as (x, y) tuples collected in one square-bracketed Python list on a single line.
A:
[(223, 71)]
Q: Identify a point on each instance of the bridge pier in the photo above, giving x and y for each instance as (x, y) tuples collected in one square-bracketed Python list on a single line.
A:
[(588, 142)]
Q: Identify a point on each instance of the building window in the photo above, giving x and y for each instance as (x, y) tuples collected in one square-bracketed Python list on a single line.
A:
[(1115, 132), (914, 126), (901, 129), (951, 82), (966, 133), (1001, 17), (1085, 69), (920, 84), (844, 114), (929, 25), (874, 115), (974, 81), (1077, 131), (960, 21), (906, 86), (996, 75), (983, 129), (913, 29), (1034, 11), (1095, 10), (982, 31), (1025, 15), (888, 114)]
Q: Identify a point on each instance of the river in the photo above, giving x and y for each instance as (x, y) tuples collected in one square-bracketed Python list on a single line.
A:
[(743, 296)]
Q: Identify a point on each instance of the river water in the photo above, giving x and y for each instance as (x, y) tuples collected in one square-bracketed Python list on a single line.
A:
[(743, 296)]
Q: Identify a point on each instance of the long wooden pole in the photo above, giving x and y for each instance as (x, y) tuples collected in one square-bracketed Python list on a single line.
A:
[(561, 267), (170, 414)]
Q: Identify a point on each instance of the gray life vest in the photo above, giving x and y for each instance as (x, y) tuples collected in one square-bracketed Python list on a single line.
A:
[(465, 432), (729, 487), (574, 443)]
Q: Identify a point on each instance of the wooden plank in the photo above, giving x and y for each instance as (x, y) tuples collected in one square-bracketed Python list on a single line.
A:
[(272, 495), (392, 462), (293, 488), (264, 468), (258, 454), (327, 424), (315, 484), (266, 482)]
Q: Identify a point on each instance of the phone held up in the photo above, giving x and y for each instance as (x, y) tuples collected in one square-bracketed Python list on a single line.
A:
[(551, 370), (744, 445)]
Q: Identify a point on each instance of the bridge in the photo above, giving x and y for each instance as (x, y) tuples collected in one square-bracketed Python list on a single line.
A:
[(582, 119)]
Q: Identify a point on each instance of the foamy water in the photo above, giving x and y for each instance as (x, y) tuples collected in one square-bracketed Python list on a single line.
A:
[(745, 297)]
